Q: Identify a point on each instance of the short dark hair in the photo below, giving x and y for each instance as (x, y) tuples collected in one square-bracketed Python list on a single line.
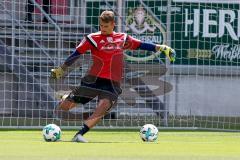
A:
[(107, 16)]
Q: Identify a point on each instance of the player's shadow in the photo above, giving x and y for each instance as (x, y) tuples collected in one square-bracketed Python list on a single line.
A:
[(111, 142), (101, 141)]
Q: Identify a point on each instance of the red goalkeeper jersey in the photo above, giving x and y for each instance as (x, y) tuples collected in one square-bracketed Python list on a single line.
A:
[(107, 53)]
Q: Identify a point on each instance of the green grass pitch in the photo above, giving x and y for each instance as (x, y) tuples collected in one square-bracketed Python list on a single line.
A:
[(121, 145)]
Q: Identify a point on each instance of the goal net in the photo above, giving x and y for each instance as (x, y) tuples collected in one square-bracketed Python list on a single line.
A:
[(198, 90)]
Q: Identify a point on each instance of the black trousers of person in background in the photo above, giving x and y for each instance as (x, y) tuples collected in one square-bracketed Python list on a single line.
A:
[(30, 8), (47, 9)]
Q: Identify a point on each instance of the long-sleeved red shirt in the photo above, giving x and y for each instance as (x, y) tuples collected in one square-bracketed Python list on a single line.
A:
[(107, 53)]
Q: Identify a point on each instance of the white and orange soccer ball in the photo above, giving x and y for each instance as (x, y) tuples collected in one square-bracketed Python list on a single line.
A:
[(149, 133)]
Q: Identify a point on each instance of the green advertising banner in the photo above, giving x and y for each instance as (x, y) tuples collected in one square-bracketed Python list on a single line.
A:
[(206, 33), (202, 33)]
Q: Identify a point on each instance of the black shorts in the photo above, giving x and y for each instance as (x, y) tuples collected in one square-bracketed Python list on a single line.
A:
[(92, 87)]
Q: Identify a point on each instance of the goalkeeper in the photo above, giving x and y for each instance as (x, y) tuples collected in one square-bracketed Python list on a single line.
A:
[(104, 77)]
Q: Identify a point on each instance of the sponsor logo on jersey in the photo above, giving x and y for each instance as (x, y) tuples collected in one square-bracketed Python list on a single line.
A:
[(109, 39)]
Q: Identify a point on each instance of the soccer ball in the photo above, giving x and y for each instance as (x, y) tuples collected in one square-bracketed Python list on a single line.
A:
[(51, 133), (149, 133)]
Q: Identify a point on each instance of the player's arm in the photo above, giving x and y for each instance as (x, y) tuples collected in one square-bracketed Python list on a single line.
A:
[(58, 72), (133, 44)]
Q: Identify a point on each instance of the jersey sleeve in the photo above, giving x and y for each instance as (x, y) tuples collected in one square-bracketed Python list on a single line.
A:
[(132, 43), (83, 46)]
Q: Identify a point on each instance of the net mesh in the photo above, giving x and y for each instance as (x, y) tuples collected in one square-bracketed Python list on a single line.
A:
[(199, 90)]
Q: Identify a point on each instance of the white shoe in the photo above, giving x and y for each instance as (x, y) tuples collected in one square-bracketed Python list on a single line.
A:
[(79, 138)]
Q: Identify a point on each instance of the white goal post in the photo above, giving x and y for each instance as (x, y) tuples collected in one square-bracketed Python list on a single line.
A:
[(198, 91)]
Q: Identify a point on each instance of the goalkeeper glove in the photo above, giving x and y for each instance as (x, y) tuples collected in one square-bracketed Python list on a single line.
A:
[(57, 73), (168, 51)]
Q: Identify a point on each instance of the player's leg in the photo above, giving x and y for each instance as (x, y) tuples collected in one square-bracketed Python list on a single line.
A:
[(80, 95), (107, 99), (103, 107), (61, 110)]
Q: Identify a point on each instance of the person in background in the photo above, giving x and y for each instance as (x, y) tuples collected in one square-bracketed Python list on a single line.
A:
[(29, 8)]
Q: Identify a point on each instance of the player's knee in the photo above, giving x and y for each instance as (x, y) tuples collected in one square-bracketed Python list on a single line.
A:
[(106, 105), (105, 102), (67, 105)]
